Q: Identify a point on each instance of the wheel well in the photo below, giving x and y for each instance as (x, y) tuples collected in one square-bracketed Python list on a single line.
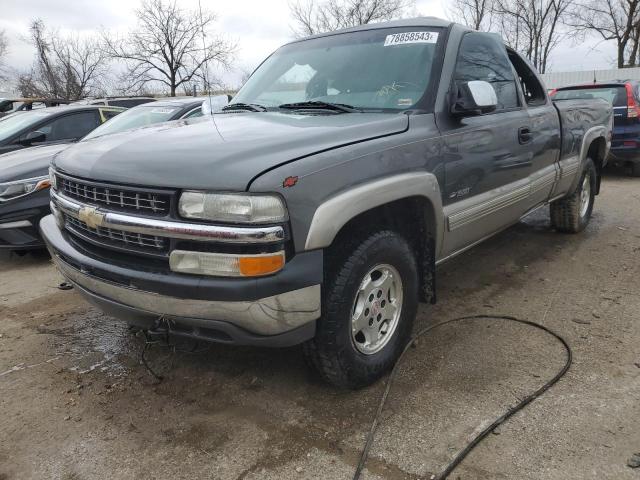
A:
[(596, 153), (413, 218)]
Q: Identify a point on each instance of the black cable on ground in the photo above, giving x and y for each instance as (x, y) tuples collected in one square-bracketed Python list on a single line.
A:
[(478, 438), (143, 359), (167, 344)]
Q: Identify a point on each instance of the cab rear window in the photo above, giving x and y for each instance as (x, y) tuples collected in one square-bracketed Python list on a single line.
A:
[(616, 95)]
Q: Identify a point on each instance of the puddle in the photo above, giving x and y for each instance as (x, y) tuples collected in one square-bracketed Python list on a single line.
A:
[(91, 342)]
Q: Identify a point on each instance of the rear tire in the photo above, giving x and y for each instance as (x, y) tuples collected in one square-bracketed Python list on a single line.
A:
[(572, 213), (370, 302), (635, 169)]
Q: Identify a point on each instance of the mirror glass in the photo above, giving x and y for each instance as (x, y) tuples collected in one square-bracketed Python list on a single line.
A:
[(483, 93)]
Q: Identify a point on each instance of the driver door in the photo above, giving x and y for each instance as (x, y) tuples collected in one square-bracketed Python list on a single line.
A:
[(487, 158)]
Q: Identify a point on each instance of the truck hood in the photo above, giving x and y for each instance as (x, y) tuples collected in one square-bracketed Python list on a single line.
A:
[(28, 163), (192, 154)]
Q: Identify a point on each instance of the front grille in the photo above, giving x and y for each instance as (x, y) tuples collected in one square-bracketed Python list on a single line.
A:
[(116, 197), (118, 239)]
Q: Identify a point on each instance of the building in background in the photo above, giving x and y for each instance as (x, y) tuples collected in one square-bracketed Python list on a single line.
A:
[(565, 79)]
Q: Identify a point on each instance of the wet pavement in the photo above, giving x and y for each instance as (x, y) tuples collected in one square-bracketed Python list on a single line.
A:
[(77, 404)]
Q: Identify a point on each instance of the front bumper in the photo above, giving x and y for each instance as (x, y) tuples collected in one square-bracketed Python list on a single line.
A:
[(278, 310), (19, 221)]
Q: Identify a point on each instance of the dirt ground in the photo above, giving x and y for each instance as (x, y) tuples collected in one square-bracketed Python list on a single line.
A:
[(75, 402)]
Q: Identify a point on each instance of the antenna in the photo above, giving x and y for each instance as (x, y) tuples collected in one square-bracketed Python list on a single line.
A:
[(206, 70)]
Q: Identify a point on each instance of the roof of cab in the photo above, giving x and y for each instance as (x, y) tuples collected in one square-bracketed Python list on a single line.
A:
[(405, 22)]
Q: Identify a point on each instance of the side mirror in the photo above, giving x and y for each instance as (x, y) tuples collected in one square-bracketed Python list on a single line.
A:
[(214, 104), (474, 98), (35, 136)]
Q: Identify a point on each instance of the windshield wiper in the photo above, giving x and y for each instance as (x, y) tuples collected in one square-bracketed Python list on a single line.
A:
[(252, 107), (317, 104)]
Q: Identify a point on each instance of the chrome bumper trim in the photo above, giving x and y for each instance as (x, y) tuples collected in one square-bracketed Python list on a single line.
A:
[(18, 224), (265, 316), (97, 217)]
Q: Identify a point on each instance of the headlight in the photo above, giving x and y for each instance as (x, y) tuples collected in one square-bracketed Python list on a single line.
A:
[(53, 179), (232, 208), (20, 188)]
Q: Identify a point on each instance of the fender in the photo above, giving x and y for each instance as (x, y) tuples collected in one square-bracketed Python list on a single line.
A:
[(589, 137), (572, 166), (335, 212)]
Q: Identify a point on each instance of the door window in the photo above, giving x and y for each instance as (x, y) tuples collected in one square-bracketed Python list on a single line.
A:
[(196, 112), (69, 127), (484, 57), (109, 114)]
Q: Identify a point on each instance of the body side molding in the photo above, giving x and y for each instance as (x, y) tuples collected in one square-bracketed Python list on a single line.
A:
[(334, 213)]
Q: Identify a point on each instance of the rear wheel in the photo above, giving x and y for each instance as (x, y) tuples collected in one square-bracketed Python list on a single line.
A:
[(635, 169), (370, 302), (571, 214)]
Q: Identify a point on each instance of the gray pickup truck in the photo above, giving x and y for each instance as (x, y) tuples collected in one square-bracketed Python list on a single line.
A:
[(316, 206)]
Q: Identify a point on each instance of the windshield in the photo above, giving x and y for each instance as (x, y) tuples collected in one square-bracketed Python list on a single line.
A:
[(12, 124), (133, 118), (380, 69), (617, 96)]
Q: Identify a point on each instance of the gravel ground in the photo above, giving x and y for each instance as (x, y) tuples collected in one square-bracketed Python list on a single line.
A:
[(76, 404)]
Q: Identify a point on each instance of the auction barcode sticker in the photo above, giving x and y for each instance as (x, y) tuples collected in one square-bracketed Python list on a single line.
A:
[(410, 37)]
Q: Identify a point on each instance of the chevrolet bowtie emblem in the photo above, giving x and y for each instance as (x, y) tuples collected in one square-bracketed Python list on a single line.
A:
[(91, 217)]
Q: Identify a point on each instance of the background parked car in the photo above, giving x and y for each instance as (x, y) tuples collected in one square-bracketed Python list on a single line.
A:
[(149, 114), (126, 102), (51, 125), (24, 195), (12, 105), (625, 98)]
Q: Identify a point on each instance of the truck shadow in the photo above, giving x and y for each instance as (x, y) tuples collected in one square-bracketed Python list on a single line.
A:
[(10, 260)]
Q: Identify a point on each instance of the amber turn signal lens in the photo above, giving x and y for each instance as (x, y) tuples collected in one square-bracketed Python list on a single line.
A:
[(226, 265), (43, 184), (261, 265)]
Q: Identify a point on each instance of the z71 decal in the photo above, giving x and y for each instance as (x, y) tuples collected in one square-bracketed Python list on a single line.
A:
[(410, 37)]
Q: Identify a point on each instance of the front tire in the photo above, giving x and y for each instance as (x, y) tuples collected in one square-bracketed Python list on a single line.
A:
[(571, 214), (370, 302)]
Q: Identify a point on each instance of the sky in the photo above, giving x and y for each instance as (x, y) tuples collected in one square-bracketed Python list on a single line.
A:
[(258, 27)]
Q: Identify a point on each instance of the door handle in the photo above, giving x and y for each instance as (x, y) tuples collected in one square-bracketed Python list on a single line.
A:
[(524, 135)]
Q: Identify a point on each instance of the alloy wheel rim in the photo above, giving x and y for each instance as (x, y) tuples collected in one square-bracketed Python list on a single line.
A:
[(585, 195), (376, 309)]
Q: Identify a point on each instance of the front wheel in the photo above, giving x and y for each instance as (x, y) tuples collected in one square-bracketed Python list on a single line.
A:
[(370, 301), (571, 214)]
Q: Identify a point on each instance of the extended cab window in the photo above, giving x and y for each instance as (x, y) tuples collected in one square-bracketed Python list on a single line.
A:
[(532, 89), (484, 57)]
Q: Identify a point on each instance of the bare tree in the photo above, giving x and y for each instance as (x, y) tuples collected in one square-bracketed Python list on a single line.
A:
[(67, 67), (476, 14), (317, 16), (533, 27), (617, 20), (167, 46), (4, 47)]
